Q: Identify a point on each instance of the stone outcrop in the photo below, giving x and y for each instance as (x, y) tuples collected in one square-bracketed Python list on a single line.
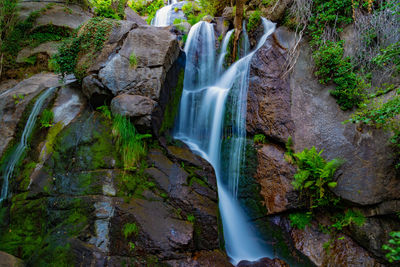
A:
[(297, 105)]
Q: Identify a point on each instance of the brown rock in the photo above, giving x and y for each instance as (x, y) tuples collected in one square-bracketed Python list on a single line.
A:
[(343, 252), (274, 175), (269, 98), (203, 259)]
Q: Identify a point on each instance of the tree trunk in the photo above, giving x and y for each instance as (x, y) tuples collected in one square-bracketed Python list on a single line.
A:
[(238, 27)]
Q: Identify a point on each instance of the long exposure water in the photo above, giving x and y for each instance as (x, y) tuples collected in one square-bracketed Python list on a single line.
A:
[(200, 124)]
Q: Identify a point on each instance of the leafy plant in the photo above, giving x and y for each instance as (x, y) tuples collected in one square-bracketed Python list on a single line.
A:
[(300, 220), (315, 177), (18, 98), (260, 139), (130, 229), (133, 60), (191, 218), (46, 119), (348, 218), (393, 247), (105, 110), (254, 20), (130, 143)]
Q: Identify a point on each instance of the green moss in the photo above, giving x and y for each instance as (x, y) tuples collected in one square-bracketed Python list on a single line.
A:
[(172, 108), (254, 20), (133, 60)]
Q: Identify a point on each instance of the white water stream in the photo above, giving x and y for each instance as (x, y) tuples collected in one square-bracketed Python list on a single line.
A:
[(201, 119), (162, 17), (16, 156)]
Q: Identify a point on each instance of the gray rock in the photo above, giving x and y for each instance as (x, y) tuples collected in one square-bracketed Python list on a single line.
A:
[(49, 48), (139, 108), (94, 90), (228, 13), (14, 101), (155, 50), (131, 15)]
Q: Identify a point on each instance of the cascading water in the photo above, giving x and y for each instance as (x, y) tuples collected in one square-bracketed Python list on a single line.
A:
[(200, 124), (245, 41), (15, 157), (162, 17), (223, 52)]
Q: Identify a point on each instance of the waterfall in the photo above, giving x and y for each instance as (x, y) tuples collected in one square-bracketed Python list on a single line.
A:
[(163, 15), (245, 41), (200, 123), (223, 52), (16, 156)]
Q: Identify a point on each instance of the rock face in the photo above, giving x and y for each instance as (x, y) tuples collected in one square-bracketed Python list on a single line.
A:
[(136, 60), (7, 260), (131, 15), (138, 108), (275, 175), (14, 101), (280, 106)]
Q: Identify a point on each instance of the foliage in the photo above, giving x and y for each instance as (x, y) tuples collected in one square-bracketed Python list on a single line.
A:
[(259, 139), (133, 60), (8, 19), (300, 220), (46, 119), (86, 42), (113, 9), (192, 12), (105, 110), (393, 247), (18, 98), (254, 20), (191, 218), (382, 114), (349, 217), (129, 143), (390, 56), (315, 177), (146, 8), (130, 229)]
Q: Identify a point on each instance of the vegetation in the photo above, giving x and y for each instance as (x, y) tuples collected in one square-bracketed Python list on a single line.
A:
[(254, 20), (300, 220), (133, 60), (393, 247), (260, 139), (8, 20), (146, 8), (76, 53), (130, 229), (129, 142), (46, 119), (113, 9), (315, 177)]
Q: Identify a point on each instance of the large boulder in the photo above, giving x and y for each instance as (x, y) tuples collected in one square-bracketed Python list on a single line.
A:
[(7, 260)]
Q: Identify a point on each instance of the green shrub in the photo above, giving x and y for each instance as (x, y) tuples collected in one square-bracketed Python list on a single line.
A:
[(349, 217), (260, 139), (191, 218), (46, 119), (315, 177), (129, 143), (130, 229), (77, 52), (133, 60), (106, 8), (254, 20), (300, 220), (146, 8), (393, 247)]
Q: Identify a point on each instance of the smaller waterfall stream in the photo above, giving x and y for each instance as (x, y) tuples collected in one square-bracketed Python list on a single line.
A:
[(15, 157), (201, 120), (223, 52), (162, 18)]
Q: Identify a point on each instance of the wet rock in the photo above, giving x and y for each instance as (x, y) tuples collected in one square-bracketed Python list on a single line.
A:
[(264, 262), (95, 91), (275, 175), (68, 105), (131, 15), (269, 94), (14, 101), (7, 260), (341, 252), (138, 108)]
